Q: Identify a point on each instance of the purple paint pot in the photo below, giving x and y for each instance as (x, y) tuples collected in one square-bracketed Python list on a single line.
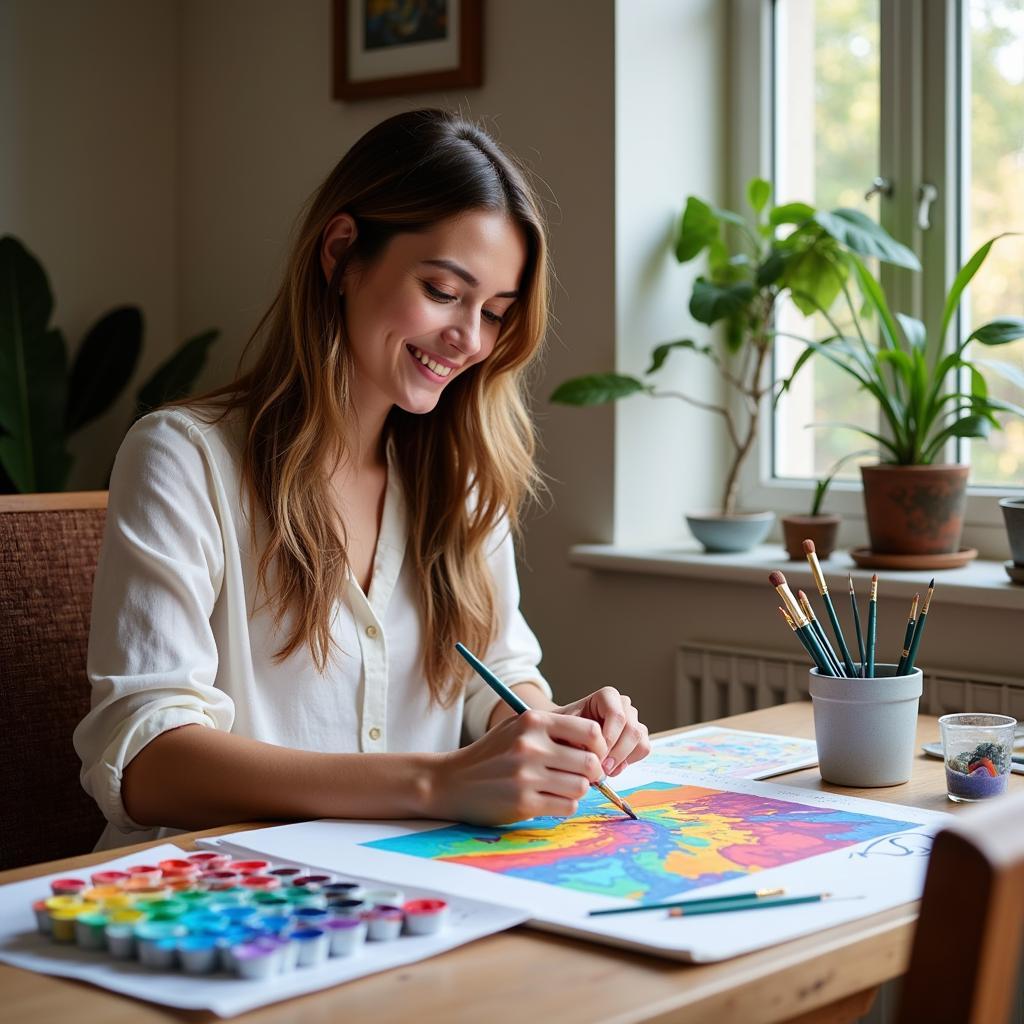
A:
[(345, 935), (256, 960), (383, 923)]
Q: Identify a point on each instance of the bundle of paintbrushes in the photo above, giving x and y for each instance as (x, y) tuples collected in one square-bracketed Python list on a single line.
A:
[(837, 661)]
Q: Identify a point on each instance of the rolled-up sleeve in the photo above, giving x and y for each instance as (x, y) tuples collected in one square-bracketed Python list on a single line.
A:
[(514, 654), (152, 658)]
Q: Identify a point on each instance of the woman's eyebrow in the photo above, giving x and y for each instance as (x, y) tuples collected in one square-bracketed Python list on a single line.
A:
[(466, 276)]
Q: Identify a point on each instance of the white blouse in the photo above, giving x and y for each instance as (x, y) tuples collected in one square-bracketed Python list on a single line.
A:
[(175, 638)]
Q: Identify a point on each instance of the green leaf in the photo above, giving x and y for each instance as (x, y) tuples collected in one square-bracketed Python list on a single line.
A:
[(711, 302), (963, 279), (771, 269), (913, 330), (662, 352), (758, 193), (790, 213), (966, 426), (735, 332), (174, 379), (883, 441), (999, 332), (814, 280), (875, 297), (103, 365), (33, 375), (597, 388), (698, 228), (859, 233), (1008, 371)]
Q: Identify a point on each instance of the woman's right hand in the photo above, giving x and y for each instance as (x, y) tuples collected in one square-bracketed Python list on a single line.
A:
[(538, 763)]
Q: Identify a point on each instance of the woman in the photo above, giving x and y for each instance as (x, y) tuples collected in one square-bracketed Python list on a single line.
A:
[(289, 560)]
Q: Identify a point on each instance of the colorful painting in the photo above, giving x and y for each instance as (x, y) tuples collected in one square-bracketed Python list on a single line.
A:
[(687, 837), (734, 753)]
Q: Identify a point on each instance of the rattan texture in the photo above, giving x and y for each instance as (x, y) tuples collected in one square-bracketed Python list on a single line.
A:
[(47, 564)]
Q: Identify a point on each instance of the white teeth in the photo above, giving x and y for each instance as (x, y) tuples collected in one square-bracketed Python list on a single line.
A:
[(438, 368)]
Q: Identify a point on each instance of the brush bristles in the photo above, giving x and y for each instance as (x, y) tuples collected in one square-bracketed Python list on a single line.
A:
[(809, 547), (776, 579)]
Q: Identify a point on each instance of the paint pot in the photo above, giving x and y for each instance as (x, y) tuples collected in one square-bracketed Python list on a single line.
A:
[(270, 901), (209, 861), (242, 914), (166, 909), (348, 908), (122, 901), (218, 879), (275, 924), (383, 923), (91, 931), (198, 953), (120, 933), (178, 866), (180, 883), (42, 917), (150, 872), (68, 886), (384, 897), (142, 888), (312, 883), (62, 924), (228, 942), (101, 893), (117, 878), (249, 867), (303, 897), (309, 916), (425, 917), (345, 935), (63, 903), (155, 942), (256, 960), (195, 898), (162, 954), (343, 890), (286, 874), (204, 922), (313, 946), (261, 883)]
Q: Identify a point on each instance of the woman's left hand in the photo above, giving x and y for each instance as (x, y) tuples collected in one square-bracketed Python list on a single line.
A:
[(623, 731)]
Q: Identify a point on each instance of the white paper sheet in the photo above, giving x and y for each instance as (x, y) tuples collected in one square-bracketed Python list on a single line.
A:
[(225, 995), (884, 870), (738, 753)]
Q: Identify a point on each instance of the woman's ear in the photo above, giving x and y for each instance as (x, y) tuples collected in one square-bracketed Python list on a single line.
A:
[(339, 234)]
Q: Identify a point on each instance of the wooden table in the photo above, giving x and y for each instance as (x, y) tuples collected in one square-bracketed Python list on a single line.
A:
[(827, 978)]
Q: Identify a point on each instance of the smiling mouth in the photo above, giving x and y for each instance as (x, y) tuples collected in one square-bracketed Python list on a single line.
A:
[(439, 370)]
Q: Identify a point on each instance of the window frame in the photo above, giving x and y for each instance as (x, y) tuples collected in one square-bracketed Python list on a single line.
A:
[(921, 41)]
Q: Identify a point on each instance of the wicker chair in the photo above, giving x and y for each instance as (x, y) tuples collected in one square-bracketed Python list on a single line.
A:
[(49, 545)]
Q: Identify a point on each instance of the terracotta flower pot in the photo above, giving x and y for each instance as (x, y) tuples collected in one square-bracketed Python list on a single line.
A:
[(822, 529), (914, 510)]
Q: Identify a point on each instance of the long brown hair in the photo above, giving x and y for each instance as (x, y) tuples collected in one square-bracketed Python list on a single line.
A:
[(466, 468)]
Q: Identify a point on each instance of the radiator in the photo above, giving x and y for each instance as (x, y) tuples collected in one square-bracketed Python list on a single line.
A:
[(715, 681)]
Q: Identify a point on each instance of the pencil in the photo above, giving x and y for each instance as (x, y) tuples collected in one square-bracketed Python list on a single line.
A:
[(833, 661), (803, 626), (908, 637), (765, 904), (872, 625), (757, 894), (856, 623), (819, 582), (518, 705), (919, 628)]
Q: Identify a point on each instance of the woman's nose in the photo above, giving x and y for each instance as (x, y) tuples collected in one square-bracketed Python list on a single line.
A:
[(464, 335)]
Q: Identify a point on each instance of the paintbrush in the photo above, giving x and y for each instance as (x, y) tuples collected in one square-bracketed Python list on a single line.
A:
[(869, 671), (856, 623), (833, 661), (819, 582), (803, 626), (799, 636), (919, 628), (908, 636)]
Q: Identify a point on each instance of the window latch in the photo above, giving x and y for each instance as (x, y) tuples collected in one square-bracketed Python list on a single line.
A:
[(881, 185), (926, 195)]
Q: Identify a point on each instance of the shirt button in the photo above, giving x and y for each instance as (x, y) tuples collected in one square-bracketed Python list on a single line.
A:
[(371, 632), (374, 732)]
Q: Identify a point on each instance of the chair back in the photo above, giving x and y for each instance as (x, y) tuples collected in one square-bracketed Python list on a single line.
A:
[(967, 947), (49, 546)]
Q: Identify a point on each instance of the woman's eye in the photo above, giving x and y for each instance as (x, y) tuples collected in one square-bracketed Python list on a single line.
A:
[(493, 318), (436, 293)]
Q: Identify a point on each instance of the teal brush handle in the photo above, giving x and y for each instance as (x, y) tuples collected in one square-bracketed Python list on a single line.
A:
[(833, 661), (837, 629), (915, 643), (817, 652), (872, 631), (508, 696), (908, 639), (860, 635)]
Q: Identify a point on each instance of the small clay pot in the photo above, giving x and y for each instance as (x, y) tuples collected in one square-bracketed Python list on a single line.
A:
[(914, 510), (1013, 515), (822, 529)]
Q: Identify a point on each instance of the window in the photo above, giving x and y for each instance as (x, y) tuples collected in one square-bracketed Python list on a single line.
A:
[(917, 93)]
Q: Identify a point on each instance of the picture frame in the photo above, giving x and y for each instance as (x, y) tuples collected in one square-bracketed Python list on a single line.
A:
[(394, 47)]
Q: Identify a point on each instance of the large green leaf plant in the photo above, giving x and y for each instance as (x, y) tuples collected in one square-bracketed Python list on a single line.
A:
[(752, 262), (927, 392), (42, 402)]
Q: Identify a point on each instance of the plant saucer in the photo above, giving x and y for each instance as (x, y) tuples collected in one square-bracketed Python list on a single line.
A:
[(868, 559)]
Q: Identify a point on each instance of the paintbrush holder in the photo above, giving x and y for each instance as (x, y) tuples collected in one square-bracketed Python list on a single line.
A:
[(866, 729)]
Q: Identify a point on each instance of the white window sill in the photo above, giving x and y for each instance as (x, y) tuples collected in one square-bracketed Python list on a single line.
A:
[(981, 583)]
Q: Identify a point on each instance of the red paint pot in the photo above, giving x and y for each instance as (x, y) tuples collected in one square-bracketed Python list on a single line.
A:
[(110, 877), (249, 867), (261, 883), (209, 861), (68, 886)]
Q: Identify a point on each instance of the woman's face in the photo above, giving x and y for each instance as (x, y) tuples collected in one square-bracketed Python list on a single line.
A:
[(430, 307)]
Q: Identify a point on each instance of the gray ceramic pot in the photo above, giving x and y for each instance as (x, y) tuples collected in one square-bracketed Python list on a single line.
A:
[(866, 729), (1013, 515), (738, 532)]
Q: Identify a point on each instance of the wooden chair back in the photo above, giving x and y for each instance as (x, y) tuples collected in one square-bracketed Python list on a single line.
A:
[(966, 957), (49, 546)]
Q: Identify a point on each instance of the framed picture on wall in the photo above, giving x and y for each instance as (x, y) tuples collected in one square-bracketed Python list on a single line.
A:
[(393, 47)]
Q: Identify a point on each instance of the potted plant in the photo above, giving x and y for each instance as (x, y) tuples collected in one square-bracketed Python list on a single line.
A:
[(1013, 516), (820, 527), (42, 402), (788, 249), (914, 503)]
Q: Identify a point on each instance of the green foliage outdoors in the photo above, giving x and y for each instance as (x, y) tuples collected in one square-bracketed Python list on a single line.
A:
[(41, 403), (789, 250)]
